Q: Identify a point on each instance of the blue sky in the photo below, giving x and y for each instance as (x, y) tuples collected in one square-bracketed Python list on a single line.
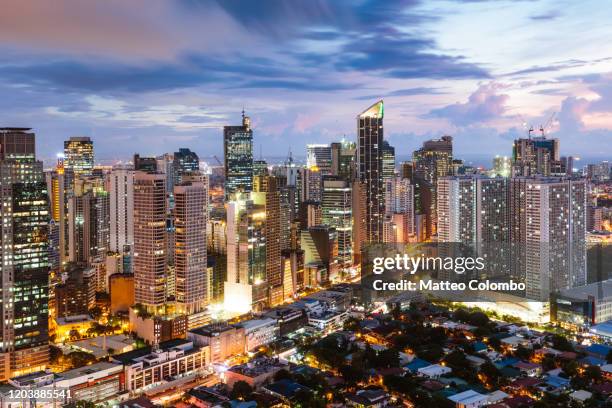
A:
[(151, 76)]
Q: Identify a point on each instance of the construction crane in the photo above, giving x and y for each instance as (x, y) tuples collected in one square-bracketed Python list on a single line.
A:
[(217, 160), (547, 125)]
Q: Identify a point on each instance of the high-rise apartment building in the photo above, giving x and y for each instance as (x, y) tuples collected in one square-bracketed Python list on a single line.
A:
[(88, 220), (370, 168), (190, 262), (238, 153), (121, 208), (555, 235), (79, 155), (150, 240), (24, 221)]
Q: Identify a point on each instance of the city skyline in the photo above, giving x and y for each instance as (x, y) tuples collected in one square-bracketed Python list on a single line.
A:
[(302, 73)]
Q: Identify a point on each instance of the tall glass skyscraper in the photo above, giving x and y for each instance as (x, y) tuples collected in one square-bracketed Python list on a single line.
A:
[(79, 155), (238, 151), (370, 168), (24, 252)]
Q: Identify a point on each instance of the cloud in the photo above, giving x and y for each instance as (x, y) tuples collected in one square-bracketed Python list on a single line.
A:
[(421, 90), (547, 16), (482, 105)]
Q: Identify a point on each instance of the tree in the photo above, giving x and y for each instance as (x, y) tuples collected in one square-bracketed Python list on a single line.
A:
[(478, 319), (282, 375), (561, 343), (96, 312), (74, 334), (351, 374), (241, 390), (491, 373), (593, 373)]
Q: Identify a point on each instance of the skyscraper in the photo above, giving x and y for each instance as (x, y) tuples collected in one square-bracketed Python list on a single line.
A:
[(320, 156), (185, 161), (238, 153), (432, 161), (88, 221), (535, 156), (190, 218), (150, 240), (79, 155), (343, 159), (369, 164), (121, 208), (24, 220), (388, 165), (337, 213), (554, 223)]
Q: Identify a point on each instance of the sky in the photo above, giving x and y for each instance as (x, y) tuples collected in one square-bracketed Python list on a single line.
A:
[(152, 76)]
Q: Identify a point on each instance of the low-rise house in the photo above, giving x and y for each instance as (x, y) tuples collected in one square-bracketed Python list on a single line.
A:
[(529, 369), (469, 399), (368, 399), (496, 397), (284, 389), (434, 371), (581, 396), (475, 361)]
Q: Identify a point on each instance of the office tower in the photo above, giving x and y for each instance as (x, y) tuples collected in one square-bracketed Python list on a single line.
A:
[(407, 170), (190, 262), (60, 185), (246, 287), (343, 159), (320, 245), (289, 169), (319, 156), (388, 161), (24, 221), (535, 156), (238, 153), (552, 224), (359, 218), (260, 168), (79, 155), (121, 208), (165, 164), (216, 242), (432, 161), (88, 221), (150, 240), (260, 175), (270, 199), (146, 164), (337, 212), (369, 164), (185, 161), (502, 166), (311, 184)]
